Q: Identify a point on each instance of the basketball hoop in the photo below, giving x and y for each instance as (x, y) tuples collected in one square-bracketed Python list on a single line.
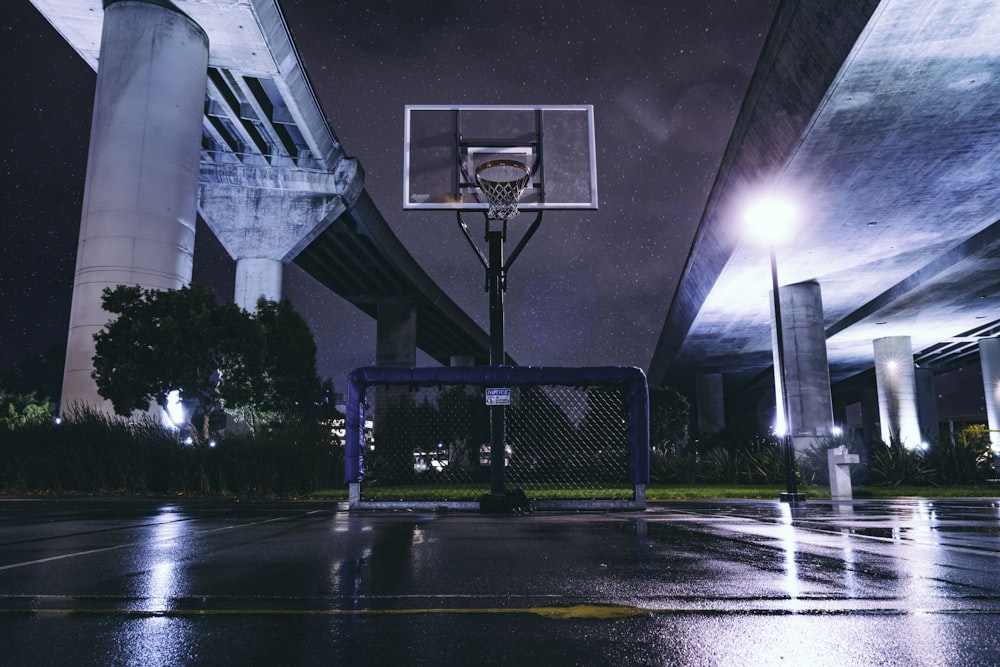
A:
[(502, 181)]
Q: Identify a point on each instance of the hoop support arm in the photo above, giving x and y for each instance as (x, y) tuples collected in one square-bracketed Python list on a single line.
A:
[(472, 242), (524, 240)]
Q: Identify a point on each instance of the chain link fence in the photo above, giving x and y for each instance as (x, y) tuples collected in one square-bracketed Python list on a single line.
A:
[(424, 434)]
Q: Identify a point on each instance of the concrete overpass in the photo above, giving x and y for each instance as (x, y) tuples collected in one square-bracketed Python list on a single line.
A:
[(880, 121), (204, 108)]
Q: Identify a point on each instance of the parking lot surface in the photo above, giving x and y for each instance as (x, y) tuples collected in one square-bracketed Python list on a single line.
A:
[(153, 582)]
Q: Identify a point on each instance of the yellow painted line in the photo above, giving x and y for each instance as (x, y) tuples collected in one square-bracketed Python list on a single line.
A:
[(575, 612)]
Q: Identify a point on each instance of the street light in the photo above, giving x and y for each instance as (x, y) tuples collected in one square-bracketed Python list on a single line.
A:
[(770, 220)]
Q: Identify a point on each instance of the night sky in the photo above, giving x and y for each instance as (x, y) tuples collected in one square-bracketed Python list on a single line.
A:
[(591, 288)]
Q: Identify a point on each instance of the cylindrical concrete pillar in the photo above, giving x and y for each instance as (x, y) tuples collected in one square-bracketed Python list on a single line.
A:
[(710, 403), (869, 414), (807, 372), (989, 359), (139, 206), (257, 277), (927, 407), (897, 390), (396, 334)]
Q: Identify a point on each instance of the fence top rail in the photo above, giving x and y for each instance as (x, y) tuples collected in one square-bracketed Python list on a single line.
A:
[(487, 375)]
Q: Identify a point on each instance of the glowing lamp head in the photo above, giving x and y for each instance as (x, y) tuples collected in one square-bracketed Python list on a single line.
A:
[(770, 219)]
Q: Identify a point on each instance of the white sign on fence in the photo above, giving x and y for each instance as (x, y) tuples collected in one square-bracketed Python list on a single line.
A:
[(498, 396)]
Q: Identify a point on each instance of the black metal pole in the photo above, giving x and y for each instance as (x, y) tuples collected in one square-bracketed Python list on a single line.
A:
[(787, 444), (495, 283)]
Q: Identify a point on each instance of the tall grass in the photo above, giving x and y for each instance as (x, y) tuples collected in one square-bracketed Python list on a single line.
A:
[(756, 461), (96, 454)]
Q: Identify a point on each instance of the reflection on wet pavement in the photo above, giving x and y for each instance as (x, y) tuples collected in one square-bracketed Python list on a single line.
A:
[(909, 581)]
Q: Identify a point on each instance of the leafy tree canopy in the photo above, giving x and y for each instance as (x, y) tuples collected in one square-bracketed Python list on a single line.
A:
[(285, 384), (258, 368), (23, 409)]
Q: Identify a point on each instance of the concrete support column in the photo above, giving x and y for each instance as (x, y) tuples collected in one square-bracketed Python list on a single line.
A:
[(138, 220), (927, 408), (396, 345), (897, 390), (989, 359), (396, 334), (840, 415), (255, 278), (807, 372), (869, 414), (710, 403)]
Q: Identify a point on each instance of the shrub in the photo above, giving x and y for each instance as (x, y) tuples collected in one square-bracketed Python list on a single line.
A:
[(965, 461), (94, 453), (893, 464), (758, 461)]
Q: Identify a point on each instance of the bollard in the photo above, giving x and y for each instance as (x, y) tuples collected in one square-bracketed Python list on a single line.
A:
[(840, 462)]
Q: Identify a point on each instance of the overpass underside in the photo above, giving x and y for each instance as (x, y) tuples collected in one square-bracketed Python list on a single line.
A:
[(879, 122), (203, 108)]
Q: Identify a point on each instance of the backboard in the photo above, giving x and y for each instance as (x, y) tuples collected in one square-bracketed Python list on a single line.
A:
[(443, 145)]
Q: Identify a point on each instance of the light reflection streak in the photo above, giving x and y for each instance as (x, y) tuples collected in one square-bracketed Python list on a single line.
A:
[(158, 641), (164, 579), (786, 534), (848, 556), (922, 578)]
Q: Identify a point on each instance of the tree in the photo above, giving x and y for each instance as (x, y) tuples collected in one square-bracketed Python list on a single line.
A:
[(24, 409), (258, 368), (285, 386), (174, 340)]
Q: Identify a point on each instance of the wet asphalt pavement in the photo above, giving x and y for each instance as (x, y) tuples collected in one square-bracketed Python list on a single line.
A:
[(125, 582)]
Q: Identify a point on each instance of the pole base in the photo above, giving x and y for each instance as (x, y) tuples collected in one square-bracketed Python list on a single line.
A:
[(509, 502), (794, 498)]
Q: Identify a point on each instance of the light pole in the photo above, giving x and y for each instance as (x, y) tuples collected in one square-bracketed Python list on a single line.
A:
[(771, 219)]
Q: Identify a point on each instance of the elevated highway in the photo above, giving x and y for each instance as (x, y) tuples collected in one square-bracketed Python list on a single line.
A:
[(878, 121), (274, 184)]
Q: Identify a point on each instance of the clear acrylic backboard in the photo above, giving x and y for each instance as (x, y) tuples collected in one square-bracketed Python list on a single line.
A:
[(444, 144)]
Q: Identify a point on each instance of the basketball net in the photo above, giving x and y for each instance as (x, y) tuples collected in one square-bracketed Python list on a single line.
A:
[(502, 182)]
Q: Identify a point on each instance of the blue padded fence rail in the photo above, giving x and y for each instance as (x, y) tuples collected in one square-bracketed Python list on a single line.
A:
[(498, 376)]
